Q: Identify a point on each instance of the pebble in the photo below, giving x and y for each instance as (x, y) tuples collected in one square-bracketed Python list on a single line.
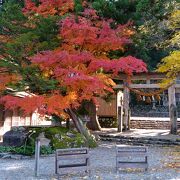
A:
[(102, 166)]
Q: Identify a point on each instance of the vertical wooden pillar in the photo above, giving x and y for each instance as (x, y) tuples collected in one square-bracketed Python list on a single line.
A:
[(148, 80), (125, 107), (172, 109), (30, 116), (119, 118), (129, 119), (119, 111), (37, 155)]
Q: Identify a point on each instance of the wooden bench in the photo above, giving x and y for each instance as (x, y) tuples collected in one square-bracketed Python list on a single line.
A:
[(133, 157), (73, 159)]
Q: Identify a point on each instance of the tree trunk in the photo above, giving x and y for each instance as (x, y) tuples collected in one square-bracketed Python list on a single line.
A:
[(93, 124), (79, 125)]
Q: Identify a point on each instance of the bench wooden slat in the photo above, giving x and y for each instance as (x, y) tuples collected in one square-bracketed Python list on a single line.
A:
[(63, 171), (131, 154), (131, 161), (71, 157), (63, 152), (72, 149), (134, 149), (73, 165)]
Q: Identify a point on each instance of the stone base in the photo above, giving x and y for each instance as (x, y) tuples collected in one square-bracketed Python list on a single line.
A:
[(15, 137), (150, 124)]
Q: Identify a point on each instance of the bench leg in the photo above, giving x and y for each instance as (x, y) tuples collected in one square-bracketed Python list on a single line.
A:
[(88, 167), (146, 160)]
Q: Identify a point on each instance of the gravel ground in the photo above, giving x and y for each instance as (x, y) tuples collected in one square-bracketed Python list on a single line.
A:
[(163, 165)]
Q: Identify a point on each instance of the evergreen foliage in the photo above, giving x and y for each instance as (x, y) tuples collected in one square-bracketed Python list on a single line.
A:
[(150, 20)]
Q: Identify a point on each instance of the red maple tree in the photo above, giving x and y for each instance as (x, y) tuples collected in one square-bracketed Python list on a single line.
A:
[(81, 64)]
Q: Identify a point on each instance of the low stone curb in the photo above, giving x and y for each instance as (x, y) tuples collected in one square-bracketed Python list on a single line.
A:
[(13, 156), (19, 156), (139, 141)]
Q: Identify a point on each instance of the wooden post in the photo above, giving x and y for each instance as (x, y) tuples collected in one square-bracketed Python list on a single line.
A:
[(68, 123), (120, 118), (173, 117), (125, 107), (172, 109), (119, 111), (56, 161), (37, 154), (129, 119), (148, 81)]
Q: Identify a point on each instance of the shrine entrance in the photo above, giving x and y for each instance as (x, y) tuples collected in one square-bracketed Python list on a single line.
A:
[(146, 88)]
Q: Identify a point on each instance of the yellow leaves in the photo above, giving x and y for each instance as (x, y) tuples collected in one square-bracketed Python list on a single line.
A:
[(72, 96), (4, 38), (81, 67), (170, 63), (171, 66), (175, 19), (175, 40), (128, 32), (47, 73), (173, 165), (108, 81)]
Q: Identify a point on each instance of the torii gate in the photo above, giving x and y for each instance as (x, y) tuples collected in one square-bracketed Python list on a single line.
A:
[(147, 78)]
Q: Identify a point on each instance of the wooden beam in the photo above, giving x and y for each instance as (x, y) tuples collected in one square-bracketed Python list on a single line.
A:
[(143, 86), (142, 76)]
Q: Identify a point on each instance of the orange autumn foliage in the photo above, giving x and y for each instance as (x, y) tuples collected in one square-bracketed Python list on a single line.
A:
[(80, 65)]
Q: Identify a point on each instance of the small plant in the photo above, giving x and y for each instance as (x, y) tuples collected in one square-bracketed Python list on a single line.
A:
[(46, 150)]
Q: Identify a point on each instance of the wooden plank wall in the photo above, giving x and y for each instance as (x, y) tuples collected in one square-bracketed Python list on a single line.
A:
[(107, 108)]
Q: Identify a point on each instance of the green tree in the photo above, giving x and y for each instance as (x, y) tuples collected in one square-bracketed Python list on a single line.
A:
[(171, 66), (150, 21), (22, 37)]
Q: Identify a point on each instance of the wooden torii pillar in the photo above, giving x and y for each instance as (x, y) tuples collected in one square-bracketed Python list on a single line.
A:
[(126, 111), (172, 109), (119, 111)]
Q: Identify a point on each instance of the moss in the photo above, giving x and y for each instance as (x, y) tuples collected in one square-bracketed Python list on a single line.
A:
[(59, 137)]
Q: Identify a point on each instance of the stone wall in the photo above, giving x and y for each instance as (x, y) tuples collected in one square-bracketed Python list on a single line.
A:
[(150, 124), (147, 111)]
